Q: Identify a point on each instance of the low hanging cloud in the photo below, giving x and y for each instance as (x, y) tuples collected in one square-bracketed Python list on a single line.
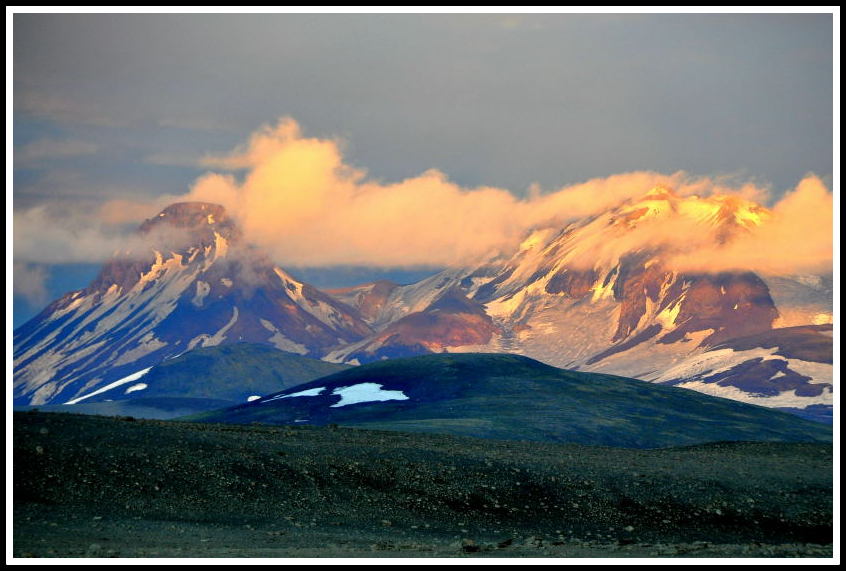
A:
[(50, 234), (796, 236), (296, 197), (30, 282)]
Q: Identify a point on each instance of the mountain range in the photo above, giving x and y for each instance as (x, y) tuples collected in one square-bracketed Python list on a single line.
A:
[(198, 283), (731, 334)]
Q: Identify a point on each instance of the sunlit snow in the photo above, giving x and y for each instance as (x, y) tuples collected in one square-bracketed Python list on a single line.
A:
[(365, 392), (135, 387), (305, 393)]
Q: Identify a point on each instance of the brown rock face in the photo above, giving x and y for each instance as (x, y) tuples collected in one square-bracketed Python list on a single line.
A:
[(732, 304), (174, 229), (437, 330), (574, 283), (369, 299), (636, 282), (452, 320)]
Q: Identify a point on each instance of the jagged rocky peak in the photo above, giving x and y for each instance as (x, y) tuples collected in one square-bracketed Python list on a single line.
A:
[(369, 299), (202, 219), (188, 214), (661, 192), (184, 232)]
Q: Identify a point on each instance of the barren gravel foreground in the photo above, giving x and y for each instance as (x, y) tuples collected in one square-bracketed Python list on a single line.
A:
[(110, 487)]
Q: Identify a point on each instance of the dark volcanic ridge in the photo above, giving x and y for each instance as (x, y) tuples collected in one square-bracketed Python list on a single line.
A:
[(517, 398)]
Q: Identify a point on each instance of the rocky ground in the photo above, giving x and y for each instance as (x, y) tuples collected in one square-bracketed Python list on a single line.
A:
[(120, 487)]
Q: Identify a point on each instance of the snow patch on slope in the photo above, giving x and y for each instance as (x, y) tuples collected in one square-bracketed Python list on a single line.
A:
[(128, 379), (206, 340), (365, 392), (203, 289), (146, 344), (280, 341)]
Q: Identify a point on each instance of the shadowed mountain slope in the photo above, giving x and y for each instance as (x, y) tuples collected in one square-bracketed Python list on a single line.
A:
[(514, 397)]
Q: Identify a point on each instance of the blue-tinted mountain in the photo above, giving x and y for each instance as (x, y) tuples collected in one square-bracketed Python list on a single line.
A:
[(189, 282), (203, 379), (517, 398)]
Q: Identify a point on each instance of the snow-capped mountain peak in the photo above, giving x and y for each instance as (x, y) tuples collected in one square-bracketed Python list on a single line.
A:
[(189, 282), (715, 211), (605, 294)]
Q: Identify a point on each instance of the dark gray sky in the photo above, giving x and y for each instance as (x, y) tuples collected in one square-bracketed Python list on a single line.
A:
[(121, 105), (505, 100)]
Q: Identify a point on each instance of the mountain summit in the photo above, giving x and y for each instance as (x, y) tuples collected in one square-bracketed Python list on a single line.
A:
[(615, 272), (609, 294), (193, 283)]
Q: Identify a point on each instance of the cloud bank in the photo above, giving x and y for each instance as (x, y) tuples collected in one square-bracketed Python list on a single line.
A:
[(797, 236), (30, 283), (296, 197)]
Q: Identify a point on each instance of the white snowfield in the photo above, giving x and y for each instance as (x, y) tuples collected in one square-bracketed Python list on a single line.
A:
[(365, 392), (783, 399), (362, 392), (128, 379), (721, 360)]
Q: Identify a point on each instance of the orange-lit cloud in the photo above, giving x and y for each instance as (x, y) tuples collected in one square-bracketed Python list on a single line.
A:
[(51, 236), (797, 236), (297, 197)]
